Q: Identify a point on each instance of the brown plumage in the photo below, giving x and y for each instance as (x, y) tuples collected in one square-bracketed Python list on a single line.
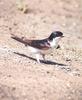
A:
[(39, 44)]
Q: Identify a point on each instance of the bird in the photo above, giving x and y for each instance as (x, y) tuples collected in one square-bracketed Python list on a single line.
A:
[(41, 46)]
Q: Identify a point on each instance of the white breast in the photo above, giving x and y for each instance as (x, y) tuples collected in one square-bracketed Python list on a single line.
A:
[(54, 42)]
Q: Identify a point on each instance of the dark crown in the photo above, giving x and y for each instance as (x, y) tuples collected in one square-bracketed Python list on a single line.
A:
[(55, 34)]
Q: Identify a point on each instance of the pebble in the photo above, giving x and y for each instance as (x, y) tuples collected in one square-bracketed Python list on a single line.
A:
[(68, 59), (48, 72)]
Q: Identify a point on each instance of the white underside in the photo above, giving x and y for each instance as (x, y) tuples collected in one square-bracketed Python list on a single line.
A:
[(38, 52)]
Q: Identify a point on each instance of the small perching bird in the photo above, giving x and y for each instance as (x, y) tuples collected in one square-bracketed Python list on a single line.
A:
[(41, 47)]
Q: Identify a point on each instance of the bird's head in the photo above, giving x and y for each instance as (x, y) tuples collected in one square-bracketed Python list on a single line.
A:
[(55, 35)]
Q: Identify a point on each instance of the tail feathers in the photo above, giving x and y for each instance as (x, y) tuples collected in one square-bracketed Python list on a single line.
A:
[(20, 39)]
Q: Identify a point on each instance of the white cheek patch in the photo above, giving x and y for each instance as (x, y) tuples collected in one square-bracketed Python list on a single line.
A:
[(57, 39)]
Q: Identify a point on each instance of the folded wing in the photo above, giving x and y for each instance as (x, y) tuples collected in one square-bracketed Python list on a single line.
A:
[(39, 44)]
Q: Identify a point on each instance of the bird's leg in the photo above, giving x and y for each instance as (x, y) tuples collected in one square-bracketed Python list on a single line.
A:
[(43, 56), (38, 58), (58, 46)]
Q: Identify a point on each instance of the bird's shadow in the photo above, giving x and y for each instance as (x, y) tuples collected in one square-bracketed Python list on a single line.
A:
[(48, 62)]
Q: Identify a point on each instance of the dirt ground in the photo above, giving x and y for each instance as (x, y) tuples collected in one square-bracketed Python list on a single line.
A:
[(21, 77)]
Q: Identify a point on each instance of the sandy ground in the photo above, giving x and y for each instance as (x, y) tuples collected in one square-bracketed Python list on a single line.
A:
[(21, 77)]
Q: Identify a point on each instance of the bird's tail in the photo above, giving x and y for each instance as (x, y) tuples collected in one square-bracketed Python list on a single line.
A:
[(20, 39)]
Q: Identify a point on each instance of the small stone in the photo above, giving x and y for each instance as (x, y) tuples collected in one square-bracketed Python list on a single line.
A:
[(44, 92), (14, 88), (68, 69), (9, 76), (75, 73), (51, 54), (48, 72), (10, 28), (68, 59)]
